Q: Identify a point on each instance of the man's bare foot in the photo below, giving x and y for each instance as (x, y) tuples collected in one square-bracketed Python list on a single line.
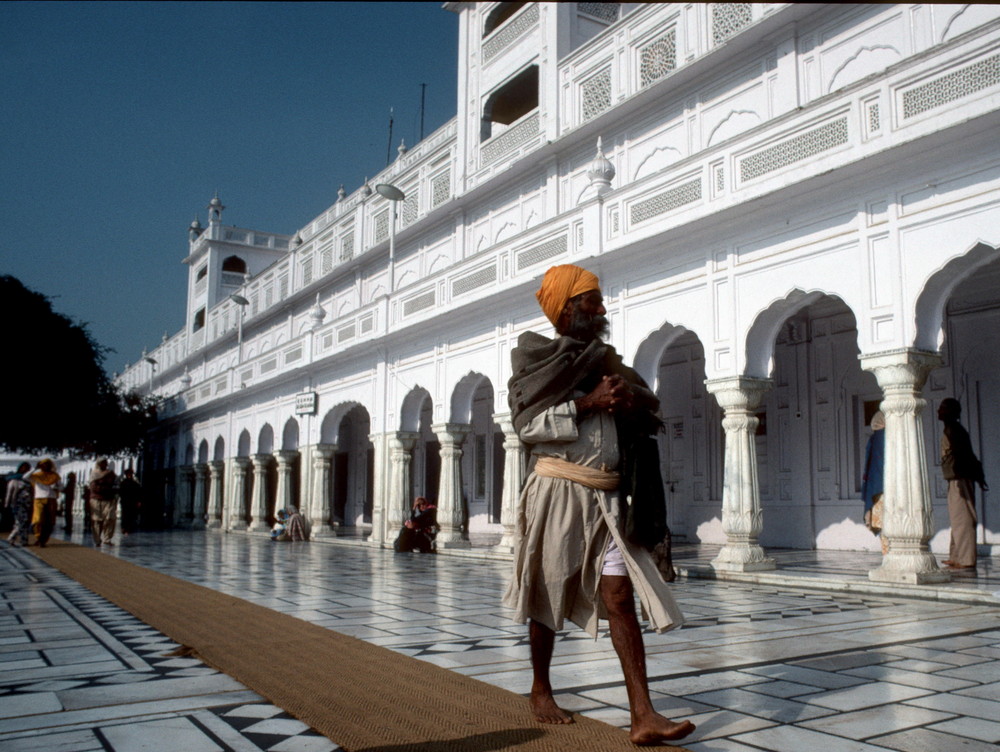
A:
[(543, 705), (656, 729)]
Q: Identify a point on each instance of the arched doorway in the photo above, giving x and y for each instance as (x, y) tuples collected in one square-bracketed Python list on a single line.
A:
[(353, 470)]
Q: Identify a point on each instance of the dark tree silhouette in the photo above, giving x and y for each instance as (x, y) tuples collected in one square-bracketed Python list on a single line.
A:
[(58, 396)]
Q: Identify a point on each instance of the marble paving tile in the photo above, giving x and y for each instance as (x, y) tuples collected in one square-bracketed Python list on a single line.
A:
[(979, 672), (973, 728), (960, 705), (864, 724), (688, 685), (724, 723), (761, 706), (13, 706), (928, 740), (939, 682), (175, 733), (783, 689), (84, 740), (795, 739), (984, 692), (864, 696), (800, 675), (165, 689)]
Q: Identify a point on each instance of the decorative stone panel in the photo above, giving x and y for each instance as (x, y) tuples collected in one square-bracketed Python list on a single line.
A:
[(658, 58), (510, 139), (381, 226), (948, 88), (293, 355), (473, 281), (419, 303), (728, 19), (669, 200), (440, 188), (345, 333), (607, 12), (347, 247), (794, 149), (510, 32), (595, 95), (541, 252)]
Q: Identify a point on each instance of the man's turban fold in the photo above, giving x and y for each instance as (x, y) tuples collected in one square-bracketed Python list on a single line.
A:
[(561, 283)]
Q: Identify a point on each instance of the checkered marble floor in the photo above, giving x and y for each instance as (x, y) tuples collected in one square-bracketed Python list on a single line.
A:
[(756, 667)]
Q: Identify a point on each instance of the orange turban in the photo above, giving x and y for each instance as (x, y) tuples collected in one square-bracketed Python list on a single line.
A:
[(561, 283)]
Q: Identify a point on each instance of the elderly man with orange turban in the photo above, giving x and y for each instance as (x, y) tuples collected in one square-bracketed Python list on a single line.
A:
[(592, 505)]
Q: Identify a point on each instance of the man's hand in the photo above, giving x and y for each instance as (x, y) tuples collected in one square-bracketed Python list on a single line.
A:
[(612, 394)]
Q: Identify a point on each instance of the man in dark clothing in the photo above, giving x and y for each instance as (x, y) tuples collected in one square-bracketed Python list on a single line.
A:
[(963, 470), (130, 497)]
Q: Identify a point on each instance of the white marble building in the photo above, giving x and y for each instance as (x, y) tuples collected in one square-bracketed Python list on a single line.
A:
[(795, 213)]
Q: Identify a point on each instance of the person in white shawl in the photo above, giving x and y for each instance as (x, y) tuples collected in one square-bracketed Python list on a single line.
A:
[(574, 404)]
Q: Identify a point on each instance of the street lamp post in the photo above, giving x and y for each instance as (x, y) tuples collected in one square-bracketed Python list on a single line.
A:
[(394, 195)]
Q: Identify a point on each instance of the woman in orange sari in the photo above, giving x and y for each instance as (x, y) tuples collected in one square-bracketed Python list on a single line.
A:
[(45, 484)]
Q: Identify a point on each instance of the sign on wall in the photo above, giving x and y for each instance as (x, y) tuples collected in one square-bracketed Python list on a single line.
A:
[(306, 403)]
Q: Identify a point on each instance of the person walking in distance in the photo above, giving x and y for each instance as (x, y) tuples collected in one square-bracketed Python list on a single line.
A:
[(103, 487)]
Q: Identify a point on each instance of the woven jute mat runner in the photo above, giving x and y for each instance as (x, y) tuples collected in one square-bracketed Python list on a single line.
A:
[(363, 697)]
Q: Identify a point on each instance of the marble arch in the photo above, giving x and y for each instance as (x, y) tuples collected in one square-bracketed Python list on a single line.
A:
[(763, 333), (651, 349), (290, 435), (219, 450), (265, 440), (463, 394), (243, 444), (330, 427), (930, 305), (409, 413), (203, 452)]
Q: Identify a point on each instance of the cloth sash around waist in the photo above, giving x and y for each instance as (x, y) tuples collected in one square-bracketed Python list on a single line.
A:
[(591, 477)]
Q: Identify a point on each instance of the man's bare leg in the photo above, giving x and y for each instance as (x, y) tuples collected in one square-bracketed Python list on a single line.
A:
[(543, 704), (648, 726)]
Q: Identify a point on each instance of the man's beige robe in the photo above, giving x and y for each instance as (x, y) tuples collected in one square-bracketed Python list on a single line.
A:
[(565, 528)]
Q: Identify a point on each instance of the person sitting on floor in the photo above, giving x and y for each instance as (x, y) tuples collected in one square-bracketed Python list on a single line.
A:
[(418, 532), (295, 526), (280, 530)]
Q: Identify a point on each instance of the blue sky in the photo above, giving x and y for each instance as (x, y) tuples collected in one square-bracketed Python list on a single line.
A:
[(120, 121)]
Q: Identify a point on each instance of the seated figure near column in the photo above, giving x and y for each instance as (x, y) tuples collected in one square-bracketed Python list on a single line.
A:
[(419, 531)]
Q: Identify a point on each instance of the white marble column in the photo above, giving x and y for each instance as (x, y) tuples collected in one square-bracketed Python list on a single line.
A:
[(449, 513), (258, 501), (513, 479), (908, 522), (380, 493), (400, 480), (215, 470), (236, 505), (319, 507), (200, 496), (286, 467), (742, 518), (182, 502)]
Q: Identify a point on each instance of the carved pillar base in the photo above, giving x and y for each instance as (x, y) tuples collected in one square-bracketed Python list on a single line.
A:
[(908, 522), (742, 518)]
